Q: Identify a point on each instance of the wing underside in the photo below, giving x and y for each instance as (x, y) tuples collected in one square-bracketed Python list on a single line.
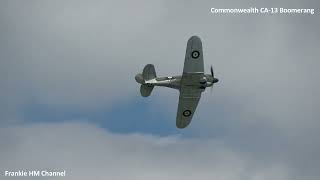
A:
[(190, 92), (188, 102), (193, 62)]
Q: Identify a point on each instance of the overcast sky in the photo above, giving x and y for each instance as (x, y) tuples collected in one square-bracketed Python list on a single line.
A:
[(69, 101)]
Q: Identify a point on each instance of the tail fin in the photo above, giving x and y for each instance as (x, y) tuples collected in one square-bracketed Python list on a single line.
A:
[(149, 72), (139, 78), (146, 90)]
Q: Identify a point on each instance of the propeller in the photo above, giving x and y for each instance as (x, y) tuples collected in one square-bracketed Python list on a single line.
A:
[(214, 80)]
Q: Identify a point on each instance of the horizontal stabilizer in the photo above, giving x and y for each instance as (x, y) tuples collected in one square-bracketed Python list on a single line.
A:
[(146, 90), (149, 72)]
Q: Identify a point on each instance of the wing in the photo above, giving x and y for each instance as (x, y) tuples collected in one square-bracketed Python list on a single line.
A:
[(190, 92), (193, 62), (188, 101)]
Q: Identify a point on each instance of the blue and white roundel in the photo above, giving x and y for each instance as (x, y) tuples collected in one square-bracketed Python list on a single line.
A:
[(186, 113), (195, 54)]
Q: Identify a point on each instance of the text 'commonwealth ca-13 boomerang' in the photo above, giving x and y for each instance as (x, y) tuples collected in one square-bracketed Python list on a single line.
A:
[(191, 84)]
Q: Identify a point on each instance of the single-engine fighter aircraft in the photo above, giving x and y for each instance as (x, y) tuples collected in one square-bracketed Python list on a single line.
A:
[(191, 84)]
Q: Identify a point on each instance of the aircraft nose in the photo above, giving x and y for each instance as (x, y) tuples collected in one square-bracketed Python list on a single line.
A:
[(215, 80)]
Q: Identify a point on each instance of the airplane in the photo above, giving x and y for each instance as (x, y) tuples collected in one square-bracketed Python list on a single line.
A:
[(190, 85)]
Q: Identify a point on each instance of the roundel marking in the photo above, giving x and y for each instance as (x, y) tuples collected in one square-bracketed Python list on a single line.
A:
[(195, 54), (186, 113)]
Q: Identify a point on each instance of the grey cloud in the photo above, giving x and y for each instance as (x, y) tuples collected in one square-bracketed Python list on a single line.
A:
[(69, 52), (79, 55)]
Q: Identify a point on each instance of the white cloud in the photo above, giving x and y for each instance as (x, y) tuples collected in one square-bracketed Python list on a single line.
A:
[(87, 152)]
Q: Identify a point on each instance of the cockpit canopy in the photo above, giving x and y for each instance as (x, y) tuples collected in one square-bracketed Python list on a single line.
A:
[(165, 78)]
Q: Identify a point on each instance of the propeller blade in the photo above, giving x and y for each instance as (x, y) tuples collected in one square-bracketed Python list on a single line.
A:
[(211, 69)]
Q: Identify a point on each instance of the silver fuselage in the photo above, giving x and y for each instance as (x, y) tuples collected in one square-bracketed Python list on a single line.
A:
[(176, 82)]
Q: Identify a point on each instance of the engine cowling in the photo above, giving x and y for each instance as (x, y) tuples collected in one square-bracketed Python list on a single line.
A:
[(203, 80)]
